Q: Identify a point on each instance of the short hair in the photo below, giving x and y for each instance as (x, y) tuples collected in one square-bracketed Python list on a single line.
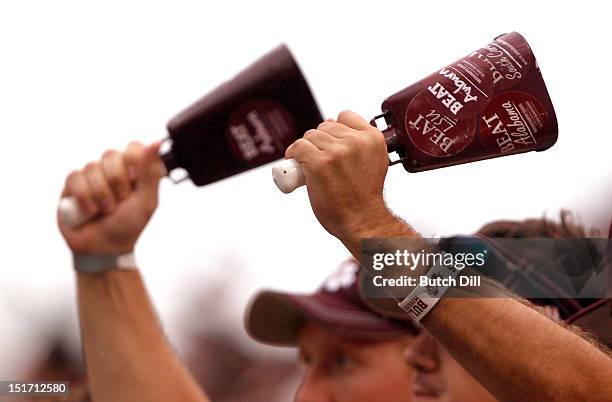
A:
[(569, 226)]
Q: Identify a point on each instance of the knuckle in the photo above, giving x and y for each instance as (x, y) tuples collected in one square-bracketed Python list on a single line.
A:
[(308, 135), (79, 192), (298, 143), (109, 154), (292, 149), (326, 125), (90, 167), (357, 141), (339, 152), (334, 157), (378, 140), (133, 150), (72, 176), (323, 163), (112, 169), (289, 151), (369, 140), (345, 116), (345, 152), (375, 134), (373, 129)]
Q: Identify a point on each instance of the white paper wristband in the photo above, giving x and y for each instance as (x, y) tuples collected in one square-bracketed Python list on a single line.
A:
[(423, 298), (97, 263)]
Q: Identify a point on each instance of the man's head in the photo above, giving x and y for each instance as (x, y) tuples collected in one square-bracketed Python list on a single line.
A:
[(438, 376), (341, 369), (349, 353)]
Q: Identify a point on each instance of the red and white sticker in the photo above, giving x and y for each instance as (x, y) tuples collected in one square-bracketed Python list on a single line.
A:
[(434, 129), (260, 131), (514, 121)]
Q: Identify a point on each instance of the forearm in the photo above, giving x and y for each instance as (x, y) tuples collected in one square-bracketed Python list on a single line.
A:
[(514, 351), (378, 222), (517, 353), (127, 355)]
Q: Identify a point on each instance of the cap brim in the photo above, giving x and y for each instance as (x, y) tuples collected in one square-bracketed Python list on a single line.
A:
[(276, 318)]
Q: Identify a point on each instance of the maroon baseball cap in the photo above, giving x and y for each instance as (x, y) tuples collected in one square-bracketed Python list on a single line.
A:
[(276, 318)]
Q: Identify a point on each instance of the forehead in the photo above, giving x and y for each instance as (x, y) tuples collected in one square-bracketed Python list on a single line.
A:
[(313, 337)]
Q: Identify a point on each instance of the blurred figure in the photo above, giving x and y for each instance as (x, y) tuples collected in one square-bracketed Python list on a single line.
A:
[(226, 363), (230, 372), (59, 365)]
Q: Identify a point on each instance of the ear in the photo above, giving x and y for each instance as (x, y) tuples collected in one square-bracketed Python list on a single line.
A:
[(406, 352)]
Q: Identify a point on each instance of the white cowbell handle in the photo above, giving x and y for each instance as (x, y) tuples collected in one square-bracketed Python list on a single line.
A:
[(288, 175), (70, 212)]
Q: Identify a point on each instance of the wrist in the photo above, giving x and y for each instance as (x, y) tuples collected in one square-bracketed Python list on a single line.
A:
[(367, 222), (100, 246), (102, 262)]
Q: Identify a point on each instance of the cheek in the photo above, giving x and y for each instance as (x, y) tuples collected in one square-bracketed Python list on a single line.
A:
[(377, 385), (462, 386)]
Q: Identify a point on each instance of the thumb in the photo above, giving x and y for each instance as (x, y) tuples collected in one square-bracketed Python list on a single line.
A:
[(150, 168)]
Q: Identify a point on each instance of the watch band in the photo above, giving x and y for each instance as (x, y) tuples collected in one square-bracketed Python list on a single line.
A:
[(423, 298), (97, 263)]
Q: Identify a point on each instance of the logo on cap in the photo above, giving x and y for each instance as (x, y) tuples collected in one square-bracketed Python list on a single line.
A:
[(344, 277)]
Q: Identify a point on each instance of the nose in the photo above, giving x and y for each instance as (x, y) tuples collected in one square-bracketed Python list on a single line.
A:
[(314, 388), (424, 354)]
